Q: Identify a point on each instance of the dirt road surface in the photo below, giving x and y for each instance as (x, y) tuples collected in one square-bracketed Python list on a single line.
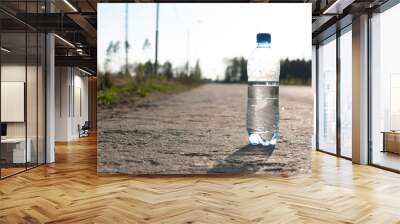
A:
[(202, 131)]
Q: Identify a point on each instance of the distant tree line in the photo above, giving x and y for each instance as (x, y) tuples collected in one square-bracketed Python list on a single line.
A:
[(291, 71), (166, 71), (296, 71), (139, 72)]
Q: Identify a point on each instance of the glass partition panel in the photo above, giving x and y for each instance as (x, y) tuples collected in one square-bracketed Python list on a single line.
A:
[(385, 92), (22, 67), (33, 61), (41, 98), (15, 151), (31, 97), (327, 96), (346, 94)]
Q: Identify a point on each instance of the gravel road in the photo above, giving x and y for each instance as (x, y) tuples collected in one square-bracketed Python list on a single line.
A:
[(202, 131)]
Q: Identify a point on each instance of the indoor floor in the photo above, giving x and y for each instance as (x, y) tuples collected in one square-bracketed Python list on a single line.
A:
[(69, 191)]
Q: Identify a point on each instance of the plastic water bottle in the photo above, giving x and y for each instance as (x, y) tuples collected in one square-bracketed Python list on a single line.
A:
[(263, 69)]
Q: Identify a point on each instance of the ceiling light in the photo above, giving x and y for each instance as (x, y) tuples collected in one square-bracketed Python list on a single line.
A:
[(79, 51), (338, 6), (70, 5), (5, 50), (65, 41), (84, 71)]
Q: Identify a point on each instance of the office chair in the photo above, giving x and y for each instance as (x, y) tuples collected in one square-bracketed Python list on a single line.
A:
[(84, 130)]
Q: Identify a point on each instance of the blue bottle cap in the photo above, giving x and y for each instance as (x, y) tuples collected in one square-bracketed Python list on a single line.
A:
[(263, 38)]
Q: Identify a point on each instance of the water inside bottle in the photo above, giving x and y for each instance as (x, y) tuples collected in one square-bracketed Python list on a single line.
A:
[(263, 113)]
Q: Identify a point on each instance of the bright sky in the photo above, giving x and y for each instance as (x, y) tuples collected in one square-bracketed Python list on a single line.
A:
[(209, 32)]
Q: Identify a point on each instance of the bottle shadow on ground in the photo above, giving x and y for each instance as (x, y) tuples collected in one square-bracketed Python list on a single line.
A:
[(246, 160)]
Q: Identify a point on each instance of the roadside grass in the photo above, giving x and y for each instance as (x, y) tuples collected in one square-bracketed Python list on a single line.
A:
[(116, 93)]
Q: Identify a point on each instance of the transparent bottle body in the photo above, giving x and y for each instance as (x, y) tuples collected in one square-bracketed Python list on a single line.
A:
[(262, 122)]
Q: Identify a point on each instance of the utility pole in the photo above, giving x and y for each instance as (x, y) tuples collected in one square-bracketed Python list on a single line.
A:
[(156, 53), (126, 39)]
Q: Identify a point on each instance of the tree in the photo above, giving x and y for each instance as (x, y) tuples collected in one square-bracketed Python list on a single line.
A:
[(139, 72), (111, 50), (143, 71), (148, 69), (243, 69), (126, 70), (167, 70), (126, 67), (146, 44), (184, 71), (236, 70), (196, 73)]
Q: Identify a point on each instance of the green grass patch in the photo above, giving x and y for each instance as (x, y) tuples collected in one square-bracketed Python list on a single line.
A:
[(115, 94)]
